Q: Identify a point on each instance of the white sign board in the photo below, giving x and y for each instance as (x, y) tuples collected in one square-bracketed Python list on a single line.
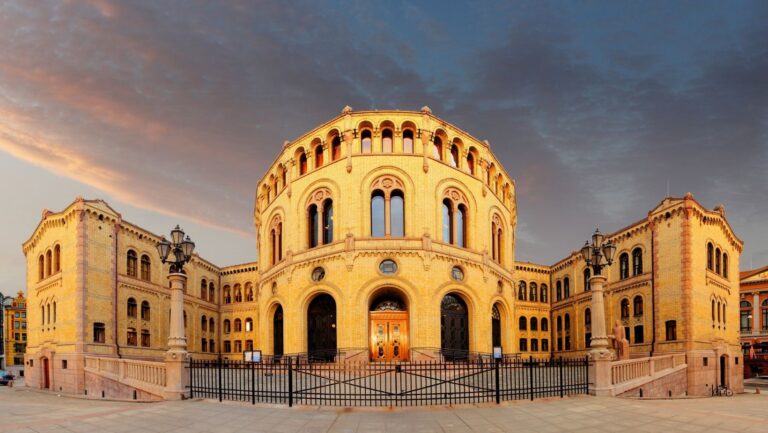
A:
[(252, 356)]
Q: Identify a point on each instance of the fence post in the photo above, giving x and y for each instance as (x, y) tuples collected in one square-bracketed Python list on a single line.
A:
[(498, 391), (290, 382), (530, 375), (220, 395), (561, 378), (253, 382), (586, 374), (191, 383)]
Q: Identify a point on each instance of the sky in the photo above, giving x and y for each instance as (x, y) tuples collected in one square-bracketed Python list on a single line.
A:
[(172, 110)]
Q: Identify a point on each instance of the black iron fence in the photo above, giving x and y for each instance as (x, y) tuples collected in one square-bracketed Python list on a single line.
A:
[(296, 381)]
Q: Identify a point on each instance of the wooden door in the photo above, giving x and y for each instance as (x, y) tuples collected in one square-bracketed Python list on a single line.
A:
[(46, 374), (389, 335)]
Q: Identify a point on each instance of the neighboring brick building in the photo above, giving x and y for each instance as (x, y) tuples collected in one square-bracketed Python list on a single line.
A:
[(753, 320), (15, 329)]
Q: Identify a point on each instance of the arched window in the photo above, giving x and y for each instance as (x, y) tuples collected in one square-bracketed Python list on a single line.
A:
[(238, 325), (470, 163), (248, 292), (567, 322), (718, 312), (204, 345), (211, 325), (534, 324), (131, 264), (558, 290), (533, 294), (437, 148), (283, 178), (587, 317), (131, 339), (336, 148), (407, 141), (713, 311), (544, 293), (625, 308), (623, 266), (327, 221), (544, 324), (448, 221), (48, 312), (41, 267), (132, 307), (521, 291), (386, 140), (238, 293), (587, 276), (365, 141), (302, 164), (146, 273), (319, 156), (637, 306), (717, 261), (211, 292), (566, 288), (523, 323), (637, 261), (454, 156), (312, 224), (397, 216), (710, 257), (54, 311), (248, 324), (48, 263), (497, 238), (725, 265), (227, 326), (377, 214), (204, 290), (145, 311), (56, 258), (461, 226), (204, 323), (227, 295)]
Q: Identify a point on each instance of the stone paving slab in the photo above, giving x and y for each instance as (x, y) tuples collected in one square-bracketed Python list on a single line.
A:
[(27, 411)]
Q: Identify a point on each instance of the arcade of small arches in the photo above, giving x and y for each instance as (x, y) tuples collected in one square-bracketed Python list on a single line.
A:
[(139, 318), (49, 263), (717, 260)]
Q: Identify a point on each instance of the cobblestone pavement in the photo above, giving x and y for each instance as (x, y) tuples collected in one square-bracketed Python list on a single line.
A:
[(29, 411)]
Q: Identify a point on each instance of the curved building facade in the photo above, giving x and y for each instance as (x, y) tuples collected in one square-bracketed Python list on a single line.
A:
[(388, 234)]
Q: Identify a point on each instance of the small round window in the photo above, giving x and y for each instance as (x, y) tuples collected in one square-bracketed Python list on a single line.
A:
[(388, 267), (318, 274), (457, 273)]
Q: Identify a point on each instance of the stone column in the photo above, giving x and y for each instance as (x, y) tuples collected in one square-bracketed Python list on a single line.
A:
[(599, 354), (176, 357), (755, 311)]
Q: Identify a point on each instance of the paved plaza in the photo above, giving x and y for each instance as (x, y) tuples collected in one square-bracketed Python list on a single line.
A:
[(30, 411)]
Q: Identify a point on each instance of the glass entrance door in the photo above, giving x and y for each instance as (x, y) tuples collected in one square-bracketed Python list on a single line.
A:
[(389, 335)]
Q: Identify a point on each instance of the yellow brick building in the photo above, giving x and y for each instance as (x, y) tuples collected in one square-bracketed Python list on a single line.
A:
[(15, 328), (381, 235)]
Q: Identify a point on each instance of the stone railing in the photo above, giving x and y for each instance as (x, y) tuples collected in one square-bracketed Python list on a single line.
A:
[(647, 369), (148, 376)]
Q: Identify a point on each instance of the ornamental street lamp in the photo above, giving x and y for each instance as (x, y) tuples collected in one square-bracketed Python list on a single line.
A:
[(598, 255), (177, 252)]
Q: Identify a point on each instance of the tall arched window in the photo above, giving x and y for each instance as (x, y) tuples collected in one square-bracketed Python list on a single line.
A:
[(437, 149), (48, 263), (276, 240), (327, 221), (41, 267), (146, 268), (725, 265), (587, 317), (544, 324), (533, 292), (283, 177), (717, 260), (227, 295), (566, 288), (211, 292), (312, 225), (204, 323), (407, 141), (461, 226), (470, 163), (558, 290), (397, 214), (637, 306), (522, 291), (497, 238), (336, 148), (448, 221), (454, 156), (377, 214), (131, 263), (623, 266), (534, 324), (544, 292), (625, 308), (386, 140), (365, 141), (227, 326), (204, 290), (56, 258), (211, 325), (238, 325), (248, 324), (587, 276), (523, 323), (248, 292), (710, 257), (318, 156), (637, 261), (302, 164), (145, 311), (132, 307), (238, 293)]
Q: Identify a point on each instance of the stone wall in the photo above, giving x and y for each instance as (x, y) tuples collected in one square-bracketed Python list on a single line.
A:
[(671, 385)]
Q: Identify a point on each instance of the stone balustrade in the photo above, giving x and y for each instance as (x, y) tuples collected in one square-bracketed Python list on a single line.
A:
[(632, 370), (147, 376)]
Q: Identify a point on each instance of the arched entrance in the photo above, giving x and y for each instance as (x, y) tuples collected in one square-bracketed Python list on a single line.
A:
[(495, 326), (723, 364), (46, 374), (388, 324), (454, 328), (277, 332), (321, 328)]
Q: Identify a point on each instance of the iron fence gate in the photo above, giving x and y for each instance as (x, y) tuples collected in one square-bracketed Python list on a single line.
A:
[(295, 381)]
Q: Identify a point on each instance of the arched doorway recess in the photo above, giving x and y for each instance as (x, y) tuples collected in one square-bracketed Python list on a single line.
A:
[(277, 332), (321, 328), (454, 328), (388, 325)]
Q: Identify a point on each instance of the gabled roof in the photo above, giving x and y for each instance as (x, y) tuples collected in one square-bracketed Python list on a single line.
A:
[(747, 275)]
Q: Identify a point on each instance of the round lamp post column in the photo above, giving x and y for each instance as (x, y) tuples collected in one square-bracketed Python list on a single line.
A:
[(178, 252), (598, 255)]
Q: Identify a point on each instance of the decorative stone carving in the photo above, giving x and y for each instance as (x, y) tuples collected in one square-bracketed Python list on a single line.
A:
[(319, 196)]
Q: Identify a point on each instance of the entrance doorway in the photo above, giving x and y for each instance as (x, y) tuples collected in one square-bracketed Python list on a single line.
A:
[(454, 328), (321, 328), (46, 374), (277, 332), (495, 326), (388, 325), (723, 361)]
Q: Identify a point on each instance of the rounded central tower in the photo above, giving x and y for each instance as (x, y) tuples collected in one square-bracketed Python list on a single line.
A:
[(385, 235)]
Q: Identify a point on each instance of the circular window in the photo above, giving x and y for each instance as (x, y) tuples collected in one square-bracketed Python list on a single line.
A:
[(388, 267), (318, 274), (457, 273)]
